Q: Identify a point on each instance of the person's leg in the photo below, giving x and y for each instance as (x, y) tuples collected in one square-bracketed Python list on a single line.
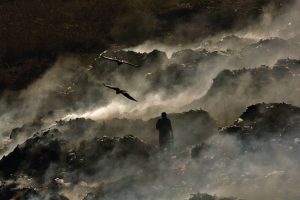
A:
[(163, 142)]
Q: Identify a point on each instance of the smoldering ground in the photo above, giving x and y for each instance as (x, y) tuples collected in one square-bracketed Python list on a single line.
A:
[(224, 165), (72, 89), (166, 83)]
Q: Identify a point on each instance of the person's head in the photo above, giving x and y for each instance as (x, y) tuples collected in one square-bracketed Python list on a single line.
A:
[(164, 115)]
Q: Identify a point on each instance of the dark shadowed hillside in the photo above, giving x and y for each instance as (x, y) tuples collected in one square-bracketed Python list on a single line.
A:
[(34, 30), (77, 26), (190, 128), (266, 121), (61, 161), (232, 91), (84, 83)]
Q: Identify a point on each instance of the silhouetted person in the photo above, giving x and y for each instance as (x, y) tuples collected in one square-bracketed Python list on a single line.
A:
[(165, 131)]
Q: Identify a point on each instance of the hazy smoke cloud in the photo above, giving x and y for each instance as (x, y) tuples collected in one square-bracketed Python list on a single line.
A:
[(285, 25), (169, 82)]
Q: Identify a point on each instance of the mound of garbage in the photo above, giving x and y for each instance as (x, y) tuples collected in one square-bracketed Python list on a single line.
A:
[(259, 149), (109, 167), (42, 150), (232, 91), (267, 120), (201, 126), (266, 48)]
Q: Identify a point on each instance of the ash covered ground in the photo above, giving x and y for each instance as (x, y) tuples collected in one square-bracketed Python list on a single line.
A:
[(232, 93)]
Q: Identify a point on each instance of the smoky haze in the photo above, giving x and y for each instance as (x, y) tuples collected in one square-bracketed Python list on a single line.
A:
[(83, 126)]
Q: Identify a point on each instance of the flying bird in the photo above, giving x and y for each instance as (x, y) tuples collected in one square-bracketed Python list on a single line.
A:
[(119, 91), (118, 61)]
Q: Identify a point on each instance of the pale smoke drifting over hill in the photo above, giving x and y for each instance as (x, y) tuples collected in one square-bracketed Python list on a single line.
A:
[(206, 70), (286, 25), (226, 167)]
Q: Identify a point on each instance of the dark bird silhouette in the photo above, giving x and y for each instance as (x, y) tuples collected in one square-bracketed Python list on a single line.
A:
[(118, 61), (119, 91)]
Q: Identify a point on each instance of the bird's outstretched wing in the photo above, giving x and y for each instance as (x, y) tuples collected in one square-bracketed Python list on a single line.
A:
[(111, 87), (128, 63), (118, 61), (101, 54), (90, 68), (111, 59), (128, 96)]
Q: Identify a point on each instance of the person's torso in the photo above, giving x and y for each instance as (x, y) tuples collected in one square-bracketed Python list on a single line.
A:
[(164, 125)]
